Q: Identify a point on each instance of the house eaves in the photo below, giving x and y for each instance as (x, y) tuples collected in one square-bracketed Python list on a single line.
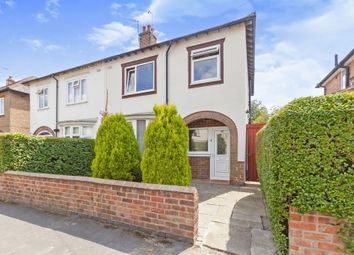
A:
[(336, 68), (250, 22)]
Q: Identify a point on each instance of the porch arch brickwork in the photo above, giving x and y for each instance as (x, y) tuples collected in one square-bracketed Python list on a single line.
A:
[(44, 129), (211, 118)]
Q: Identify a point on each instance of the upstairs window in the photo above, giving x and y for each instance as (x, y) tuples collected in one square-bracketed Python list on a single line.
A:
[(42, 98), (139, 77), (2, 106), (77, 91), (205, 63), (343, 79)]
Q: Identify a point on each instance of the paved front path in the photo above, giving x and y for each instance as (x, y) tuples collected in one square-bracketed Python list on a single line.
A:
[(233, 219)]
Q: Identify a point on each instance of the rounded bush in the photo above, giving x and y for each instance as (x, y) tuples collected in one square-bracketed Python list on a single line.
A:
[(305, 159), (165, 159), (117, 154)]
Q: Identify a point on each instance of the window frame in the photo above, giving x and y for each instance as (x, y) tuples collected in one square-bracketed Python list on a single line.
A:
[(71, 133), (44, 96), (72, 81), (191, 153), (133, 65), (2, 104), (220, 65)]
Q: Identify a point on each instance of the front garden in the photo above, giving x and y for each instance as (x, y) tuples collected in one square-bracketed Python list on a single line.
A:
[(114, 154)]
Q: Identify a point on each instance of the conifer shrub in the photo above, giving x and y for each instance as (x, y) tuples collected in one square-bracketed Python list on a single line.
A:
[(117, 154), (305, 159), (165, 159)]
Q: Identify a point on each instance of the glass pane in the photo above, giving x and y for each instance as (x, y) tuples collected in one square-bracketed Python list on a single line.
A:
[(83, 90), (40, 101), (145, 77), (67, 131), (198, 140), (70, 92), (1, 105), (221, 144), (76, 131), (86, 131), (77, 95), (205, 69), (130, 86), (141, 126)]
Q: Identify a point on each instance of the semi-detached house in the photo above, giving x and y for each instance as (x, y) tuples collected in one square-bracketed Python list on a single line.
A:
[(208, 75)]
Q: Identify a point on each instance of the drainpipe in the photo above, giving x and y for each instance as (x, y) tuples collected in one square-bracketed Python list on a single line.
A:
[(56, 130), (167, 51)]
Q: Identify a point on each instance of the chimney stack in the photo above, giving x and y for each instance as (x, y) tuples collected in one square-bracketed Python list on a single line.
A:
[(9, 81), (147, 37), (335, 60)]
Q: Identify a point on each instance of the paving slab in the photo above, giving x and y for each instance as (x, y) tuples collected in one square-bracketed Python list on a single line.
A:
[(231, 220)]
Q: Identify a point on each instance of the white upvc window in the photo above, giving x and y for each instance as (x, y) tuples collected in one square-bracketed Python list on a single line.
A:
[(205, 64), (2, 106), (139, 127), (42, 98), (77, 131), (343, 79), (198, 141), (77, 91), (140, 78)]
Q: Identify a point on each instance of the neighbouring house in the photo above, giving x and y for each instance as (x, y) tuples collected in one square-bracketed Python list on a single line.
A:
[(208, 75), (15, 106), (341, 77)]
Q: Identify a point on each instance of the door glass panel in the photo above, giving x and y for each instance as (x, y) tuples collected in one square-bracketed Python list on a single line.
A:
[(221, 143)]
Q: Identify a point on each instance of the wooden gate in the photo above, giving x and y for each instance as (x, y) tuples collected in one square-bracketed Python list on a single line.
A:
[(251, 133)]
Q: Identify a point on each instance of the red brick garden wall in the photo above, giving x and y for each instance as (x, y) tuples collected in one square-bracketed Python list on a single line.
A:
[(171, 210), (314, 234)]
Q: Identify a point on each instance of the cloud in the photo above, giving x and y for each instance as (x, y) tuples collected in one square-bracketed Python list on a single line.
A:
[(166, 10), (51, 10), (10, 3), (114, 8), (37, 44), (114, 34), (292, 58)]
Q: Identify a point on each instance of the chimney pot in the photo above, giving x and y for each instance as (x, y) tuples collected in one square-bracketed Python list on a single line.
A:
[(335, 60), (147, 37), (9, 81)]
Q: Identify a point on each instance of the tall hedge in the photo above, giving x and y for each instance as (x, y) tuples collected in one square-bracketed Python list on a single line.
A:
[(117, 150), (165, 159), (65, 156), (305, 159)]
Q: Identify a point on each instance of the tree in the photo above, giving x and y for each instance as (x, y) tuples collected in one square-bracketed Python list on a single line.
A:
[(117, 154), (259, 113), (165, 159)]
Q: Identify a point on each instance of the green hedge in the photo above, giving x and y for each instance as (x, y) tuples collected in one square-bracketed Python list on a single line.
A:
[(165, 159), (117, 151), (46, 155), (305, 159)]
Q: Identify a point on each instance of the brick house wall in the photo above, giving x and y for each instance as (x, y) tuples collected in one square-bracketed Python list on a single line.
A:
[(168, 210), (16, 117), (333, 85), (314, 234)]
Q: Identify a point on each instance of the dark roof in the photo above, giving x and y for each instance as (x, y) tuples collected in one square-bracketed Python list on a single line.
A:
[(340, 65), (249, 20)]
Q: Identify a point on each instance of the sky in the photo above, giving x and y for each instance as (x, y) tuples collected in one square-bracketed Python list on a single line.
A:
[(295, 40)]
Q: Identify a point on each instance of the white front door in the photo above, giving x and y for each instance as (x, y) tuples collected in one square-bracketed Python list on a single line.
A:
[(220, 170)]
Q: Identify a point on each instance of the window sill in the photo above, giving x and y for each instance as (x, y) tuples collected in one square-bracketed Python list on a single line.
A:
[(2, 114), (206, 83), (139, 94), (81, 102), (199, 154), (42, 109)]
